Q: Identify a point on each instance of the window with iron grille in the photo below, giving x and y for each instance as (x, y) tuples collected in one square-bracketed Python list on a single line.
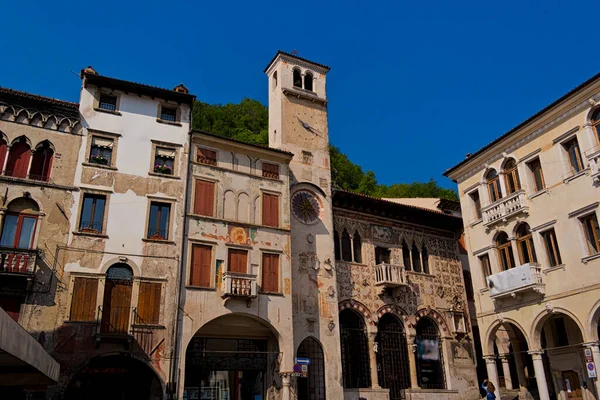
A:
[(393, 365), (107, 102), (168, 113), (430, 362), (313, 386), (356, 370)]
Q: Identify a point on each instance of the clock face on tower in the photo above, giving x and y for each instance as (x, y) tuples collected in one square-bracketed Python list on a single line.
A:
[(306, 207)]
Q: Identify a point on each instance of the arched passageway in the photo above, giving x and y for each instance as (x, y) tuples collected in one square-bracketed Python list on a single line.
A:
[(116, 377), (356, 370), (312, 387), (393, 365), (429, 355), (233, 357)]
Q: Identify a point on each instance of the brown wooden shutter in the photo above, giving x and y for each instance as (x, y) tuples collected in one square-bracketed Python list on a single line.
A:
[(270, 210), (83, 303), (274, 211), (270, 273), (148, 310), (204, 198), (201, 262), (238, 261)]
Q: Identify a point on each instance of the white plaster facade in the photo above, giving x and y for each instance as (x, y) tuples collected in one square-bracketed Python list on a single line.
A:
[(564, 288)]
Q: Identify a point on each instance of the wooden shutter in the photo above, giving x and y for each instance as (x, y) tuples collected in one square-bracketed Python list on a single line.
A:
[(204, 198), (83, 303), (201, 262), (148, 309), (270, 210), (238, 261), (270, 273)]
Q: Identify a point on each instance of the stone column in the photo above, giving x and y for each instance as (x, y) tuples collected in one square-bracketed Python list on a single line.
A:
[(596, 358), (352, 248), (373, 361), (520, 367), (30, 161), (515, 250), (540, 374), (506, 370), (492, 372), (412, 350), (5, 159), (286, 381)]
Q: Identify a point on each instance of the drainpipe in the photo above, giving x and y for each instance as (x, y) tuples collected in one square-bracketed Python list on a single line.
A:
[(173, 387)]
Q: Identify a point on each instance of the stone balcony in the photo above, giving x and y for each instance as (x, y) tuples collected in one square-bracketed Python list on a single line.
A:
[(506, 207), (237, 285), (593, 157), (516, 282), (17, 261), (390, 275)]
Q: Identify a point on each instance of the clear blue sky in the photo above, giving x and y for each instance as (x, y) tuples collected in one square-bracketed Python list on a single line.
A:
[(414, 85)]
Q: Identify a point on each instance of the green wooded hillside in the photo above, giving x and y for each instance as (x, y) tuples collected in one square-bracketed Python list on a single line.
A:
[(248, 121)]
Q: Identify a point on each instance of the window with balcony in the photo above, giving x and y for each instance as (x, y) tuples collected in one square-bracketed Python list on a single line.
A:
[(41, 163), (382, 255), (200, 268), (270, 170), (158, 223), (591, 232), (116, 305), (83, 299), (537, 175), (406, 256), (552, 249), (270, 273), (206, 156), (484, 261), (596, 122), (92, 213), (107, 102), (571, 147), (505, 253), (101, 150), (493, 184), (475, 204), (204, 198), (270, 210), (512, 176), (237, 261), (18, 159), (525, 244), (20, 221)]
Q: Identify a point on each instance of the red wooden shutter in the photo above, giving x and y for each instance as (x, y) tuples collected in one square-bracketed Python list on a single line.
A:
[(204, 198), (149, 303), (270, 273), (3, 150), (83, 303), (274, 210), (238, 260), (18, 160), (201, 262)]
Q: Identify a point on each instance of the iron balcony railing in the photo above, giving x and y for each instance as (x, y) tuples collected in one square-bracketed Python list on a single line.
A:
[(114, 320), (17, 261), (390, 275)]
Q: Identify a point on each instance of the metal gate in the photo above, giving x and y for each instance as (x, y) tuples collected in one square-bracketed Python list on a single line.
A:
[(393, 367), (356, 370), (430, 360), (313, 386)]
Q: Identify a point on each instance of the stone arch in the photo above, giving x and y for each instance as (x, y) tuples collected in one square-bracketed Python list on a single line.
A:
[(508, 324), (392, 309), (23, 203), (543, 316), (228, 207), (121, 260), (22, 116), (22, 139), (590, 115), (45, 141), (309, 186), (243, 207), (435, 317), (359, 308), (593, 320), (505, 159), (51, 123)]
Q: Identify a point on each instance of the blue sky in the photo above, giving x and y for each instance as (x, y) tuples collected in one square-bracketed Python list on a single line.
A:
[(414, 85)]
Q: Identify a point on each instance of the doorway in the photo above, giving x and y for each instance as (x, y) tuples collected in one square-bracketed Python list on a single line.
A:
[(116, 308), (571, 385)]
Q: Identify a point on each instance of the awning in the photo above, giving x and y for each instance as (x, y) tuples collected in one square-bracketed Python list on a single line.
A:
[(23, 361)]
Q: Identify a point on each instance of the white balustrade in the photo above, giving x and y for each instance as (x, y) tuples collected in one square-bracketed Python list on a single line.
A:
[(594, 161), (240, 285), (390, 275), (505, 207), (516, 280)]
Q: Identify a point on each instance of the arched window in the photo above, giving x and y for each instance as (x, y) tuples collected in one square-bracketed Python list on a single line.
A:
[(346, 246), (357, 243), (20, 221), (393, 367), (308, 81), (3, 151), (596, 122), (425, 257), (313, 386), (41, 164), (336, 245), (512, 177), (297, 78), (416, 259), (356, 370), (406, 256), (525, 244), (18, 159), (430, 362), (116, 308), (505, 253), (493, 183), (274, 79)]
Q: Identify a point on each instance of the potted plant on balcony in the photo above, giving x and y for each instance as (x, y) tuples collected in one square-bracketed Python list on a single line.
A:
[(156, 236), (99, 160), (163, 169)]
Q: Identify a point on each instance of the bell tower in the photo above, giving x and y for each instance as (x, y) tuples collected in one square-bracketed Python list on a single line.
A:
[(298, 124)]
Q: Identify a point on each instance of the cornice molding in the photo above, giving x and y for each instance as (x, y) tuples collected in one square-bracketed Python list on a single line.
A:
[(39, 119)]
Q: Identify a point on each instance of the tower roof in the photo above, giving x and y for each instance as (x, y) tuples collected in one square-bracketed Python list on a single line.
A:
[(284, 55)]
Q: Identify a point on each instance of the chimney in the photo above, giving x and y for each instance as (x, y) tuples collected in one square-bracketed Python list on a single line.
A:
[(181, 89), (89, 70)]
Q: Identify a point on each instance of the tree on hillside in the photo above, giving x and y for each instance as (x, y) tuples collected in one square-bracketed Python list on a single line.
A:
[(248, 122)]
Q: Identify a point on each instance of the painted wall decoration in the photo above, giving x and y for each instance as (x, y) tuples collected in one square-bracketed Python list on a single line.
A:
[(238, 235), (382, 233)]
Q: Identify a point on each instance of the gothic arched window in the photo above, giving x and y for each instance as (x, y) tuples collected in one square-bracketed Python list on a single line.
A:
[(406, 256), (41, 164), (425, 257), (416, 259), (336, 245), (346, 246), (356, 370), (357, 243), (18, 159)]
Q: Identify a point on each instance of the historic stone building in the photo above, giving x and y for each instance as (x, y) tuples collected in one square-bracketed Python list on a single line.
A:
[(530, 206)]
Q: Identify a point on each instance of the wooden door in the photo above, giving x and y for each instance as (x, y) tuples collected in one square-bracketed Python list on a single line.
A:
[(117, 306), (571, 385)]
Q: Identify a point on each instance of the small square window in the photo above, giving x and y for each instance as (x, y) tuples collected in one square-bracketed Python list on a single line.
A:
[(101, 150), (205, 156), (164, 160), (270, 170), (168, 113), (158, 225), (92, 213), (107, 102)]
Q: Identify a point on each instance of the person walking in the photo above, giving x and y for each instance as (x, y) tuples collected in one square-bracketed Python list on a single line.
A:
[(489, 390)]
